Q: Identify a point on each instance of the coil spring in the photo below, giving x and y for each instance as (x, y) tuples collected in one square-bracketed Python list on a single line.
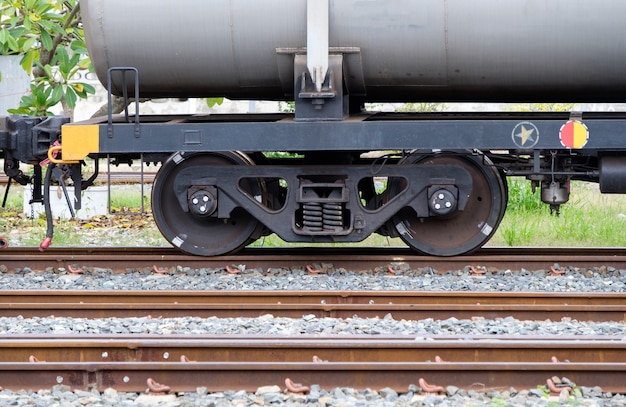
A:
[(312, 216), (319, 216), (332, 215)]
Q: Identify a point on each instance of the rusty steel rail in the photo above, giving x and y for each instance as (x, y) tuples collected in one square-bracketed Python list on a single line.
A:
[(410, 305), (121, 259), (231, 362), (249, 376), (308, 348)]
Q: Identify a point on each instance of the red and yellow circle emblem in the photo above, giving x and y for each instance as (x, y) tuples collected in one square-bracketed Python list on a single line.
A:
[(574, 134)]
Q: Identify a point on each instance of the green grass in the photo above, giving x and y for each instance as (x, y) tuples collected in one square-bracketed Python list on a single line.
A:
[(589, 219)]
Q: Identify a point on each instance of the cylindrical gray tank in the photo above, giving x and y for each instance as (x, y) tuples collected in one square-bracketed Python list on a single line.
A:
[(410, 50)]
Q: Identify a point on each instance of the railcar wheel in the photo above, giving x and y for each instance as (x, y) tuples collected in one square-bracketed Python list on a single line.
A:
[(461, 231), (201, 235)]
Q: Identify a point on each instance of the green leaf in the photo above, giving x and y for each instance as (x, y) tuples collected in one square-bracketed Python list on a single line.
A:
[(56, 96), (63, 60), (46, 25), (51, 27), (46, 40), (79, 47), (83, 89), (19, 32), (27, 100), (58, 29), (28, 60), (29, 43), (85, 63), (13, 45), (89, 89), (4, 36), (70, 97), (48, 70), (73, 62), (27, 23), (214, 101), (39, 94)]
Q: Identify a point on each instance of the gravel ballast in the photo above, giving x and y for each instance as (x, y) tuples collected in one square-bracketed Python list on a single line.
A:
[(601, 279), (63, 396)]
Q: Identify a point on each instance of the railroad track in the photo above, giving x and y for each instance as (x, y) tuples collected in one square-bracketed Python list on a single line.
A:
[(120, 259), (410, 305), (219, 363), (184, 362)]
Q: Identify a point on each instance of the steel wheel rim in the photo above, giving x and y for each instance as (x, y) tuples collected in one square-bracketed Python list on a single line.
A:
[(204, 237), (464, 231)]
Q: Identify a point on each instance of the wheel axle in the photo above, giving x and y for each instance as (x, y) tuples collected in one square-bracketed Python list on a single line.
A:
[(203, 202)]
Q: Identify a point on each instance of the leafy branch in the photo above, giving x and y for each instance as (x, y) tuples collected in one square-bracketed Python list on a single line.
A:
[(48, 35)]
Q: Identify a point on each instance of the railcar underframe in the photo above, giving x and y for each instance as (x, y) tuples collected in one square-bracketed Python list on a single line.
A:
[(438, 181)]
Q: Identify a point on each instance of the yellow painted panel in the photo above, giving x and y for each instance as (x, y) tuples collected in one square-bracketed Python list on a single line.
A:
[(78, 141)]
